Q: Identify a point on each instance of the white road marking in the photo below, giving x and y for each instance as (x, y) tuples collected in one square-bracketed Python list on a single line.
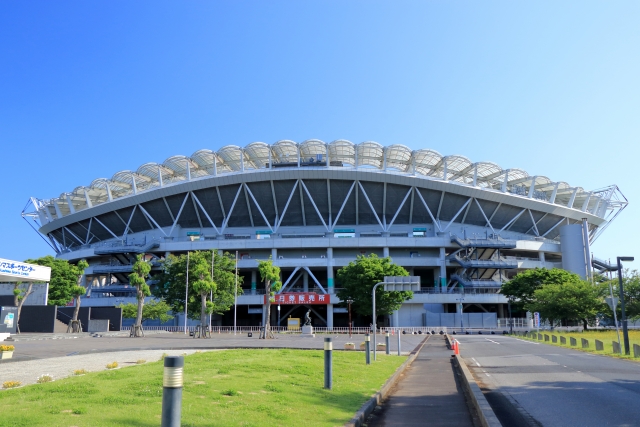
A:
[(495, 342), (475, 361), (529, 342)]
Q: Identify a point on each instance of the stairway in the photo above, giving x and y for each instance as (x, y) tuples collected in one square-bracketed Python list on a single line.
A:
[(59, 327)]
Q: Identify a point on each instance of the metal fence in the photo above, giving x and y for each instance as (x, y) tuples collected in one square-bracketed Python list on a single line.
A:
[(515, 322), (318, 330)]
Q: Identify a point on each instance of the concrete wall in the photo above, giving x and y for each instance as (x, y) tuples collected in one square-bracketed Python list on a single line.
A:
[(411, 314), (37, 297), (38, 318)]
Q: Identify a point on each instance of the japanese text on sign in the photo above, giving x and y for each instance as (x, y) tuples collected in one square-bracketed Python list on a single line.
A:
[(301, 298)]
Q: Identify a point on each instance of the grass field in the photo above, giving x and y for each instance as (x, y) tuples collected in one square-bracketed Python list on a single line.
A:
[(606, 336), (221, 388)]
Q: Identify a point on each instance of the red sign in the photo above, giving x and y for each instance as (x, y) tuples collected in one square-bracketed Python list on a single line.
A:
[(293, 298)]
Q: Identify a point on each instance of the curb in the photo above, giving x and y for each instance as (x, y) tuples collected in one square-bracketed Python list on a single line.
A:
[(485, 412), (367, 408)]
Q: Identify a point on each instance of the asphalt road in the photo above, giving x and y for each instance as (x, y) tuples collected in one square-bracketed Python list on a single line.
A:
[(41, 346), (534, 384)]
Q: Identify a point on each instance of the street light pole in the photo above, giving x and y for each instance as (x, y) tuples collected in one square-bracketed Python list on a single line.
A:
[(510, 317), (461, 299), (625, 331), (375, 328), (349, 301), (392, 283), (235, 300)]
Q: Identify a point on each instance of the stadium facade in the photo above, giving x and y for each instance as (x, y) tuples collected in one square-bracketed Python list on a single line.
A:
[(463, 227)]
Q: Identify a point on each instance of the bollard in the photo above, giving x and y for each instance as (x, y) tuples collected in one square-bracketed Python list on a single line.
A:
[(616, 347), (328, 363), (399, 346), (375, 345), (387, 342), (172, 391), (457, 350), (367, 339)]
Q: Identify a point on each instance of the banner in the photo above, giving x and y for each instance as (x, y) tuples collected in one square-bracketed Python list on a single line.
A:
[(292, 298)]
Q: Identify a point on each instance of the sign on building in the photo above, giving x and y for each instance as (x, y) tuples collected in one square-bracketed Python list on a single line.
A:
[(293, 298), (15, 271)]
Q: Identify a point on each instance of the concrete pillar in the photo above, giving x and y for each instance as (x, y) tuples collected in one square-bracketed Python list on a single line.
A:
[(330, 316), (166, 254), (274, 254), (330, 271), (574, 250), (541, 256), (305, 281), (443, 269), (395, 319), (254, 281), (500, 311), (385, 252)]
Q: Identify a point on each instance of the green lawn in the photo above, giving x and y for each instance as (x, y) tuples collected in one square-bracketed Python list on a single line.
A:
[(222, 388), (606, 336)]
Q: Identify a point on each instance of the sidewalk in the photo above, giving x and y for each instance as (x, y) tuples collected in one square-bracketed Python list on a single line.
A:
[(427, 394)]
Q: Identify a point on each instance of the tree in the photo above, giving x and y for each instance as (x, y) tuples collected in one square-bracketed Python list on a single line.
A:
[(19, 296), (77, 291), (358, 278), (522, 287), (138, 278), (270, 275), (631, 288), (64, 277), (203, 285), (172, 282), (153, 310), (570, 301)]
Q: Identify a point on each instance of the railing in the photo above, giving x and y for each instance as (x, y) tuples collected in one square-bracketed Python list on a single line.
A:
[(488, 242), (342, 330), (521, 258), (515, 322), (260, 290), (286, 330), (466, 291), (132, 245), (63, 317), (434, 290), (476, 283), (485, 263)]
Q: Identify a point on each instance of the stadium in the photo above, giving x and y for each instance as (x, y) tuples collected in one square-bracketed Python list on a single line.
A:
[(463, 227)]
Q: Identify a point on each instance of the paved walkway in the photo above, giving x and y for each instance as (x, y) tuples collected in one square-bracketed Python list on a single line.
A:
[(60, 354), (427, 394)]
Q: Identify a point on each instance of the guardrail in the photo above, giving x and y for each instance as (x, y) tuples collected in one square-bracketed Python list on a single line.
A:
[(466, 290), (137, 245), (320, 330)]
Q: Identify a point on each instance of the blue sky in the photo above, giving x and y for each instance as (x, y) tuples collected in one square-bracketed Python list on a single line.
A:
[(91, 88)]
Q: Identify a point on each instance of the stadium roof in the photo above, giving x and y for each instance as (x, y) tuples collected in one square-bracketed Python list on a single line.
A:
[(425, 163)]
